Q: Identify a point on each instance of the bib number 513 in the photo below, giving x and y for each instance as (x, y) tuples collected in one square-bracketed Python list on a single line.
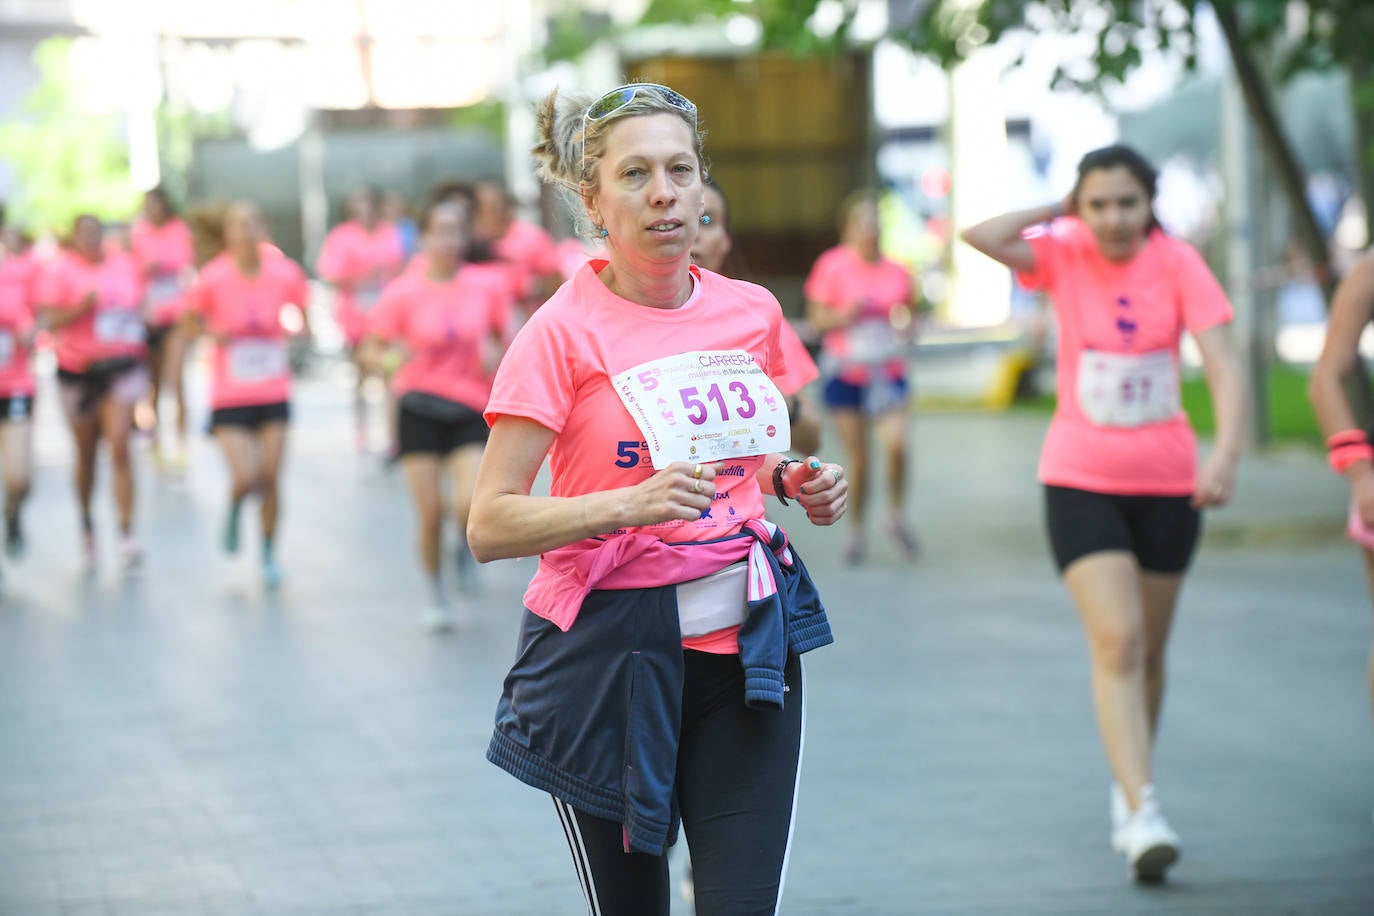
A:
[(698, 411)]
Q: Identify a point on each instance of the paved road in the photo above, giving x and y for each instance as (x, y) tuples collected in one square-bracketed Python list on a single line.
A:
[(180, 743)]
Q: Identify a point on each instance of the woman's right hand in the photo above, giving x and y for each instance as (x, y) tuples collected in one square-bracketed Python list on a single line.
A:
[(682, 490)]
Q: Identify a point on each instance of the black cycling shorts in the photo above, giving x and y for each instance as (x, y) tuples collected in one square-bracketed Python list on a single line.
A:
[(418, 434), (1161, 531), (251, 416)]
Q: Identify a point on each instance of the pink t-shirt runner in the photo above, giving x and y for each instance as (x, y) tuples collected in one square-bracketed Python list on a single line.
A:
[(18, 304), (841, 277), (359, 263), (448, 327), (250, 363), (115, 327), (1142, 306), (530, 253), (164, 253), (558, 373)]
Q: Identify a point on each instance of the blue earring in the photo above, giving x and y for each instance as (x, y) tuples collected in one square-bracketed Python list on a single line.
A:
[(706, 219), (604, 232)]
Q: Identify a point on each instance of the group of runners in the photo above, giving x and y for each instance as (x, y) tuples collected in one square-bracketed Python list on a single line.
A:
[(658, 680)]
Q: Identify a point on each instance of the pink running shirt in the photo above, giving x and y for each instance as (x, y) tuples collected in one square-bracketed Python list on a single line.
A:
[(1141, 306), (558, 373), (18, 289), (115, 327), (530, 253), (164, 253), (841, 277), (359, 263), (449, 329), (249, 365)]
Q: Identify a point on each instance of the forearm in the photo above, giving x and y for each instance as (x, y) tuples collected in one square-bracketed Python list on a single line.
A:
[(53, 318), (509, 525), (991, 236), (1326, 389), (1229, 398)]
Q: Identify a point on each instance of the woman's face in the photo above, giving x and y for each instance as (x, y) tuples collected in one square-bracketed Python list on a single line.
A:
[(1116, 207), (362, 207), (861, 227), (650, 194), (446, 234), (87, 236), (154, 209), (243, 230), (713, 239)]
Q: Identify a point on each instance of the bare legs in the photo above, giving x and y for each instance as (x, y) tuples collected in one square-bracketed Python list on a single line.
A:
[(1127, 615)]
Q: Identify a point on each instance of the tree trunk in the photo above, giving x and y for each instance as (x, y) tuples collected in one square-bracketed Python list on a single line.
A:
[(1279, 152)]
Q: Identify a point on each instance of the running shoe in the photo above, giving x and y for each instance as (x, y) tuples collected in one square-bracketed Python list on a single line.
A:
[(900, 535), (438, 618), (271, 574), (1121, 816), (130, 553), (14, 537), (1151, 845)]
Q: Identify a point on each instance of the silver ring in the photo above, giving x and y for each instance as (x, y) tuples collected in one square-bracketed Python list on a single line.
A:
[(696, 486)]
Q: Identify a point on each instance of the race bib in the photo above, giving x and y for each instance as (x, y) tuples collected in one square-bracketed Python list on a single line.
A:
[(1128, 389), (162, 290), (118, 325), (6, 349), (258, 360), (872, 341), (703, 406)]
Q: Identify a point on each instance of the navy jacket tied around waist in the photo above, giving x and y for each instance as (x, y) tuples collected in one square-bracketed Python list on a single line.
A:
[(592, 715)]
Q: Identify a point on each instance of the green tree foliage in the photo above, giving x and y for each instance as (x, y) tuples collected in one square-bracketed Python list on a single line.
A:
[(66, 161)]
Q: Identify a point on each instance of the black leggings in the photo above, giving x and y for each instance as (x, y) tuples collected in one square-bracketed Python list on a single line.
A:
[(736, 785)]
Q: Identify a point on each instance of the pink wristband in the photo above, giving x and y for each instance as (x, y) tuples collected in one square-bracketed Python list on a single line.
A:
[(1343, 456), (1346, 437)]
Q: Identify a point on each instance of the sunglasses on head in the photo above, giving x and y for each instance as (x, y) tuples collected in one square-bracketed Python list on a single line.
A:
[(621, 96)]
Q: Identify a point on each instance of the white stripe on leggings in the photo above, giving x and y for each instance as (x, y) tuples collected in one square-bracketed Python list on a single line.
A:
[(579, 854), (796, 784)]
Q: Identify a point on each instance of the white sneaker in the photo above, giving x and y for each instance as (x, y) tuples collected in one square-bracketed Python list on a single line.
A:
[(1121, 815), (1151, 845), (438, 618), (130, 554)]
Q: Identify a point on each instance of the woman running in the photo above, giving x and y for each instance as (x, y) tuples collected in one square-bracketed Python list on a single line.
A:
[(1123, 488), (240, 300), (449, 324), (860, 300), (1349, 451), (91, 299), (659, 663), (18, 306), (165, 252), (712, 251), (358, 258)]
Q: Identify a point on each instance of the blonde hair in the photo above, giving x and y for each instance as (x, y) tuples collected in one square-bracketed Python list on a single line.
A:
[(569, 158)]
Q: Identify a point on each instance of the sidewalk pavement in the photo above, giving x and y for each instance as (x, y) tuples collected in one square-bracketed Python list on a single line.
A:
[(182, 743)]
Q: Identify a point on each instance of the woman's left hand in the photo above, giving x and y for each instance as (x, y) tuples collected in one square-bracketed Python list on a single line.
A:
[(1216, 480), (821, 488)]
